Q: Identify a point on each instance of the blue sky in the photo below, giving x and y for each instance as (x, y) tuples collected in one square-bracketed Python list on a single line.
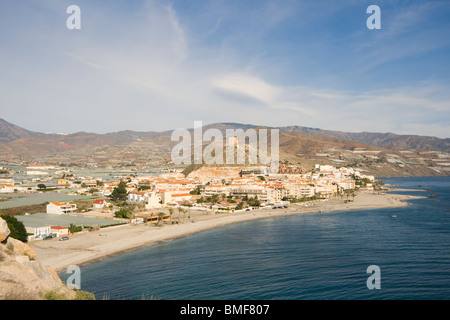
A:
[(158, 65)]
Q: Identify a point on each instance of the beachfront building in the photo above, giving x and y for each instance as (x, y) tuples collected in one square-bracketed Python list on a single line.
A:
[(175, 197), (326, 189), (346, 184), (215, 189), (150, 199), (251, 191), (59, 231), (61, 208), (37, 230), (298, 190), (151, 217)]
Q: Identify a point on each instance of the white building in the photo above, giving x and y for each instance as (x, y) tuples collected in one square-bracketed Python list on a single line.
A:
[(346, 184), (150, 199), (37, 232), (100, 204), (297, 190), (60, 208), (175, 197), (6, 182), (59, 231), (215, 189), (326, 189), (263, 194)]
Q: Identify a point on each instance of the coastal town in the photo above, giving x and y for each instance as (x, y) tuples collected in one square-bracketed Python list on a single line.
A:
[(75, 219), (225, 151), (161, 198)]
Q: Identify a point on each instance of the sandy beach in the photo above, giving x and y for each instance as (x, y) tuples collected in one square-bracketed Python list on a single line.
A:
[(93, 246)]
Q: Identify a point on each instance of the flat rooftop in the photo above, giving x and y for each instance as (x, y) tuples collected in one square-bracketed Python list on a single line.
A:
[(45, 219)]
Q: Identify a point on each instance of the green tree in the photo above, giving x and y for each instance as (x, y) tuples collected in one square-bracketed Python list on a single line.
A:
[(196, 191), (215, 198), (160, 216), (240, 206), (120, 192), (42, 186), (123, 213), (72, 228), (254, 202), (16, 227), (93, 190), (183, 211), (170, 213), (201, 200)]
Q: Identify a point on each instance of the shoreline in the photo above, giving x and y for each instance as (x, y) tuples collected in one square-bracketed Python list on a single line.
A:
[(82, 249)]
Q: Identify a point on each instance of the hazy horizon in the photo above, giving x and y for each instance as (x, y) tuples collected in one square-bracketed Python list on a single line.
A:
[(210, 124)]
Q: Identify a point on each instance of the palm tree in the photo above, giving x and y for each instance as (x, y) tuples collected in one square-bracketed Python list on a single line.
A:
[(160, 217), (72, 228), (180, 210), (170, 213), (347, 193)]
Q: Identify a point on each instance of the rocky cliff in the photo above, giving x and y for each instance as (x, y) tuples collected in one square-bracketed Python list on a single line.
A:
[(206, 173), (22, 277)]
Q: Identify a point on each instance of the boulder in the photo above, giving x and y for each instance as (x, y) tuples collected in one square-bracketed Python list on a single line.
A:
[(4, 230), (21, 248), (25, 279)]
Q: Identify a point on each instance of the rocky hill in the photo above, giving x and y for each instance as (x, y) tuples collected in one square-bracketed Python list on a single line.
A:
[(389, 140), (22, 277), (380, 154), (207, 172), (10, 132)]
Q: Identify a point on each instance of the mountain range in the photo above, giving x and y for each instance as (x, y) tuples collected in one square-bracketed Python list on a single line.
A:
[(418, 155)]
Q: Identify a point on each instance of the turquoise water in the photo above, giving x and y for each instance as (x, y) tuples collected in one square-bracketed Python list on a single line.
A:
[(313, 256)]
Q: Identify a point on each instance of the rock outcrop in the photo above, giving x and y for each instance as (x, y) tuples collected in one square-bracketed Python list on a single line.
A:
[(22, 277), (205, 173), (4, 230)]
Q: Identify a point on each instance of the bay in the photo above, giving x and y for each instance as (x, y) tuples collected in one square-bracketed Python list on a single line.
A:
[(321, 256)]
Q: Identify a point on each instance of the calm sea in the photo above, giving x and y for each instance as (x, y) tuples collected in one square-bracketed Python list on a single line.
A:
[(312, 256)]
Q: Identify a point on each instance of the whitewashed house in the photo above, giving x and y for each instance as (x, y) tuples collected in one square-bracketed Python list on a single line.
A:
[(150, 199), (60, 207), (37, 232), (100, 204), (59, 231)]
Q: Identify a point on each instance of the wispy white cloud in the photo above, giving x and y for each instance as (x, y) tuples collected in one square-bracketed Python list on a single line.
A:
[(406, 32)]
